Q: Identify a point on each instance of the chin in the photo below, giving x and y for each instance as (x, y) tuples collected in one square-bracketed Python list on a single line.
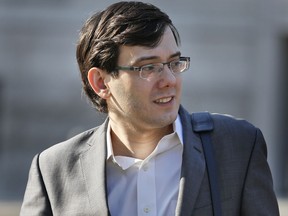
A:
[(168, 119)]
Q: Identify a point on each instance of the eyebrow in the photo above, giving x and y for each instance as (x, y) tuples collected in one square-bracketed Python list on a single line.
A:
[(145, 58)]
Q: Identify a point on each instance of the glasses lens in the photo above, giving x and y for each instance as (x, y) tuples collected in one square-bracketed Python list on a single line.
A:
[(148, 71), (178, 66)]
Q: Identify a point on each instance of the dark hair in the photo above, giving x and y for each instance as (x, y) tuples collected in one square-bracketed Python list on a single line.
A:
[(122, 23)]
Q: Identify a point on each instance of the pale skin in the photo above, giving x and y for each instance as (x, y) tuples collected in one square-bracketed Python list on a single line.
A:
[(141, 111)]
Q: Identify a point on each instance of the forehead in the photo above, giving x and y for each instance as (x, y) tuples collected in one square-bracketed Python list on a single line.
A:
[(129, 55)]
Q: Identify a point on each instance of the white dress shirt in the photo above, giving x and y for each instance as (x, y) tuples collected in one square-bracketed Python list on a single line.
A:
[(146, 187)]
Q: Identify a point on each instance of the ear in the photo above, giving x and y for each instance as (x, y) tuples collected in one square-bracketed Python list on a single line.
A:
[(96, 79)]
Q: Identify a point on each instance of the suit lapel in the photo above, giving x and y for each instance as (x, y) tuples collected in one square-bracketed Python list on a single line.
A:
[(93, 166), (193, 167)]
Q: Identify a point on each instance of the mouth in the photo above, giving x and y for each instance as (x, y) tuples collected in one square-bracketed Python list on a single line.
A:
[(164, 100)]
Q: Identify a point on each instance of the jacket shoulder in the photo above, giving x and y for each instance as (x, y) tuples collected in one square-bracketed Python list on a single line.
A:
[(234, 134), (68, 150), (74, 142), (231, 123)]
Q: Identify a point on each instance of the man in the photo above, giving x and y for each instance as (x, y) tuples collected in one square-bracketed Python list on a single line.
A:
[(145, 159)]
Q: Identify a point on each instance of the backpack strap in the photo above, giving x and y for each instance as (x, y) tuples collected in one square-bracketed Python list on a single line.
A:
[(202, 124)]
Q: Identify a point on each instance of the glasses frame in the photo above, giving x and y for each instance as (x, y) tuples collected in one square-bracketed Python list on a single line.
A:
[(134, 68)]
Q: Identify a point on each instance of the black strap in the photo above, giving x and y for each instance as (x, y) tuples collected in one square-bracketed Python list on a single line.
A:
[(202, 123)]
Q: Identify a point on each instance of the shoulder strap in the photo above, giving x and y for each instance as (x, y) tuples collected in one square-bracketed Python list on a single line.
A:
[(202, 123)]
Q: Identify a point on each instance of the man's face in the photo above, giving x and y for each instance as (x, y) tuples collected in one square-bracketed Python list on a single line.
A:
[(146, 104)]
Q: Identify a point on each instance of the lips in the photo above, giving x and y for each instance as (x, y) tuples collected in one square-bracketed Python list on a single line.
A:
[(163, 100)]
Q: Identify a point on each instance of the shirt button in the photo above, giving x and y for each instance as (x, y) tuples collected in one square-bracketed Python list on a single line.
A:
[(146, 210)]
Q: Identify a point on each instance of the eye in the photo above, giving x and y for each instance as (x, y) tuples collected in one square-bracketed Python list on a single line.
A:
[(176, 63), (148, 68), (177, 66)]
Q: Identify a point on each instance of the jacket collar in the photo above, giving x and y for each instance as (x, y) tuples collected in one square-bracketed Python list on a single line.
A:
[(94, 171), (193, 167)]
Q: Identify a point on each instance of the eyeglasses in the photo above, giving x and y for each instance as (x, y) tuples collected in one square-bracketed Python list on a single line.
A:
[(149, 71)]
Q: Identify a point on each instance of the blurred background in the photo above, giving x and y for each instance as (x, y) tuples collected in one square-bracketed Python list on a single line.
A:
[(238, 50)]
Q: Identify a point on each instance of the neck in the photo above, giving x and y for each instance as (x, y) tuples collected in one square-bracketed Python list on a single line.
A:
[(135, 142)]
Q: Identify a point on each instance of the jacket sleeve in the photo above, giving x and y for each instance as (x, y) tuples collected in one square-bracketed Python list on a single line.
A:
[(36, 200), (258, 197)]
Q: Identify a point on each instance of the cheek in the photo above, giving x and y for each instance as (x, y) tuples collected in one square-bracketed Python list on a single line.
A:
[(179, 83), (130, 87), (125, 90)]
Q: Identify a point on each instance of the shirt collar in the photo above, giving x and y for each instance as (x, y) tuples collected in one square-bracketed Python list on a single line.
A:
[(177, 127)]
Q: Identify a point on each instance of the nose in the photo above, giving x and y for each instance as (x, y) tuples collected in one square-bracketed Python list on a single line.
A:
[(167, 77)]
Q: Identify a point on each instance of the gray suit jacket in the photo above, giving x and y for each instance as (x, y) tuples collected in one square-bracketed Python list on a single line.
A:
[(69, 178)]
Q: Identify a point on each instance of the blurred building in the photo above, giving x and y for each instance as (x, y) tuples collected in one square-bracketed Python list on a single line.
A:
[(238, 49)]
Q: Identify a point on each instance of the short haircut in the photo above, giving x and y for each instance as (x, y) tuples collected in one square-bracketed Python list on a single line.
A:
[(123, 23)]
